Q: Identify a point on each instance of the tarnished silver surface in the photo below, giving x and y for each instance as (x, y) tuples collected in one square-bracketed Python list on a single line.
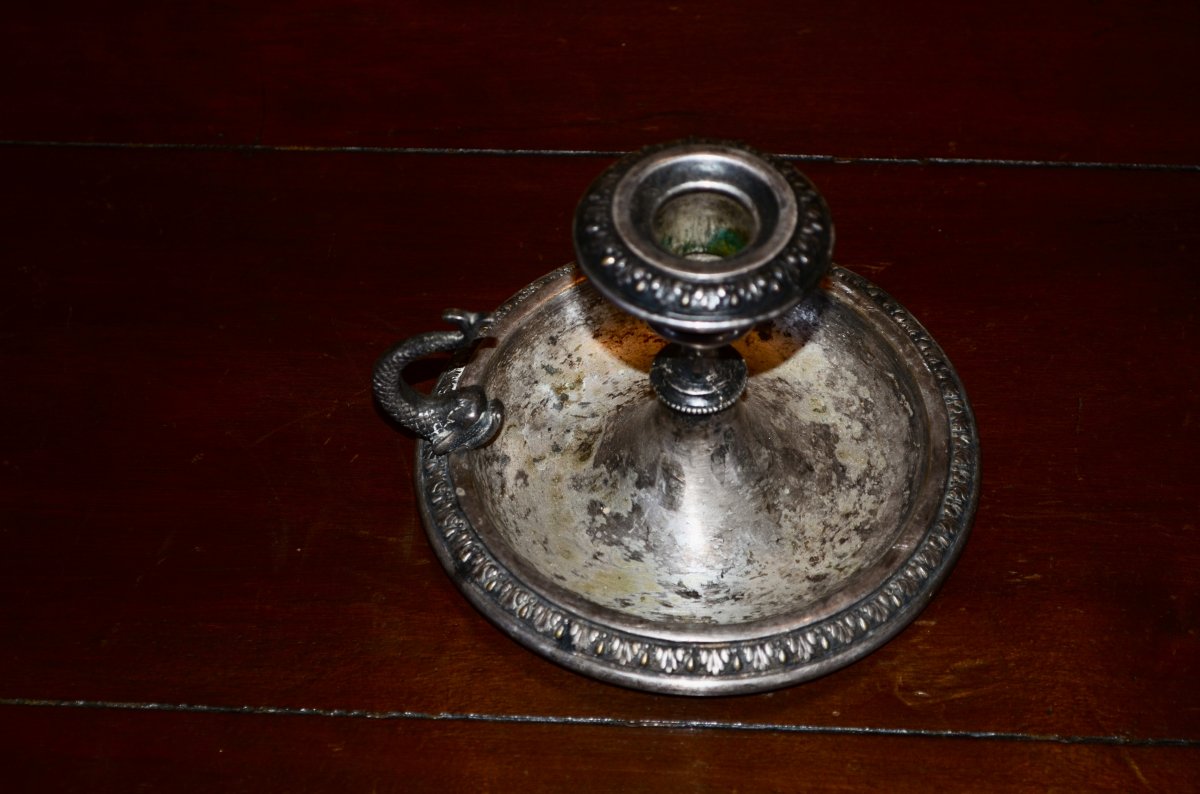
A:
[(702, 240), (742, 551), (803, 481)]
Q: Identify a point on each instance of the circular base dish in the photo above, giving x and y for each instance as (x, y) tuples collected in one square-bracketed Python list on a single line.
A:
[(748, 550)]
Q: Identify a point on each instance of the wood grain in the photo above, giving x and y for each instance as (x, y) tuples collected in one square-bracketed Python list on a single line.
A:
[(1079, 80), (201, 505), (107, 751), (215, 216)]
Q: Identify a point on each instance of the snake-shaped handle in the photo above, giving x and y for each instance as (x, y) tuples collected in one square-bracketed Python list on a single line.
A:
[(461, 419)]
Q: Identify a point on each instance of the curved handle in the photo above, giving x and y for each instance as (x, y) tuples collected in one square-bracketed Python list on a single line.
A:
[(462, 419)]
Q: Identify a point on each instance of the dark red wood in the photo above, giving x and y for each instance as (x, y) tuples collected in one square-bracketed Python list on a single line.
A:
[(200, 504), (120, 751), (1076, 80)]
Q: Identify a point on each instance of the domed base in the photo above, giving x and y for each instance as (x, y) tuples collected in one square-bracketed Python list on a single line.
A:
[(739, 551)]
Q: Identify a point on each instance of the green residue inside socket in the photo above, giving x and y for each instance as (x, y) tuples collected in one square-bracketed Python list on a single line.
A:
[(723, 242)]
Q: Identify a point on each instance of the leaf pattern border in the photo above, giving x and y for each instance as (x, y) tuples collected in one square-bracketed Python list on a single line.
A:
[(790, 653)]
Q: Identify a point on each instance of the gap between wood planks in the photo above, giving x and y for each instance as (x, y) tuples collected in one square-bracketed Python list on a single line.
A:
[(602, 722), (487, 152)]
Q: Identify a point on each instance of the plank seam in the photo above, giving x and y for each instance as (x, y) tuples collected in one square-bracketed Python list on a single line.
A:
[(250, 148), (602, 722)]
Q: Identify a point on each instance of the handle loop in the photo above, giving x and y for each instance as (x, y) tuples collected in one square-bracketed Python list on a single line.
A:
[(462, 419)]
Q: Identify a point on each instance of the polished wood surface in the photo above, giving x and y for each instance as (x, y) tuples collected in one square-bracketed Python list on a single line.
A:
[(214, 575), (1074, 80)]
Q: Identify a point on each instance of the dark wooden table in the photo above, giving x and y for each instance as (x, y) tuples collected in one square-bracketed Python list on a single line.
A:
[(215, 217)]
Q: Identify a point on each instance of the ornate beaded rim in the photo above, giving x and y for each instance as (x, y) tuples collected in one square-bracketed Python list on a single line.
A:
[(737, 301), (719, 667)]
